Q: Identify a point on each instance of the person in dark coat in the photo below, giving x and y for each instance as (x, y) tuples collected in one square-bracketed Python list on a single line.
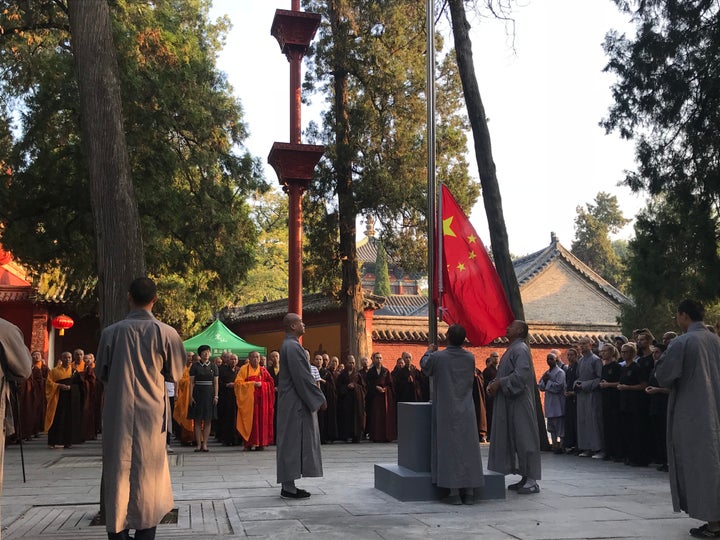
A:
[(225, 430), (489, 374), (382, 419), (351, 392), (328, 418), (571, 376)]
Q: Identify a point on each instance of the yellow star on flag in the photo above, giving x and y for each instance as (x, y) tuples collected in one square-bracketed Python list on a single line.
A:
[(471, 255), (471, 239), (447, 224), (461, 266)]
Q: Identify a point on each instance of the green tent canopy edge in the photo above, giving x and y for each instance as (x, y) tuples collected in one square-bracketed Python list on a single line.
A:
[(221, 339)]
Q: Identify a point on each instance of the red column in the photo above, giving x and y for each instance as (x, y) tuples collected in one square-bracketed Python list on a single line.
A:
[(295, 95), (295, 192)]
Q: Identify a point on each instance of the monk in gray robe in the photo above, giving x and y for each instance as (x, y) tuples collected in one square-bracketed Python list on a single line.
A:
[(691, 369), (15, 366), (134, 359), (298, 400), (455, 449), (514, 439), (589, 402)]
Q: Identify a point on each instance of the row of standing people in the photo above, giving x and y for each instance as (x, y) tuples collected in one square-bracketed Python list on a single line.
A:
[(65, 401), (362, 400), (609, 405), (232, 399)]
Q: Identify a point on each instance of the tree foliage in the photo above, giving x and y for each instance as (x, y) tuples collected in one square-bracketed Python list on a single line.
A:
[(382, 276), (267, 280), (368, 63), (183, 129), (667, 98), (592, 244), (382, 54)]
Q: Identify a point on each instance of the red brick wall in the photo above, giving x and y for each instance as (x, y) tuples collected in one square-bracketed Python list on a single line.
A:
[(391, 352)]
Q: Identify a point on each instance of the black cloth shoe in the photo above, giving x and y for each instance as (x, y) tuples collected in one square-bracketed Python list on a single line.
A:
[(515, 487), (299, 494), (704, 532), (528, 490)]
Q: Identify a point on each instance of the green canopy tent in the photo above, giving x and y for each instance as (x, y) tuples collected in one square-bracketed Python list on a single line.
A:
[(221, 339)]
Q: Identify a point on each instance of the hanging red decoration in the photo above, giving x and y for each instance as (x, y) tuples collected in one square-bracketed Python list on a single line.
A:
[(62, 323)]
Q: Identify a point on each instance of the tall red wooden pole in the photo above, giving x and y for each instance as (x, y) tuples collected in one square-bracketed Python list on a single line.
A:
[(295, 162)]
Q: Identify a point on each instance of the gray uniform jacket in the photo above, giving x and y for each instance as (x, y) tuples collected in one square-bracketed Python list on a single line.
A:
[(299, 398), (134, 358), (691, 369), (455, 457), (15, 363), (514, 439)]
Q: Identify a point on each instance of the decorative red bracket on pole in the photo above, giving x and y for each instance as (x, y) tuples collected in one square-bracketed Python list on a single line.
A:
[(294, 162)]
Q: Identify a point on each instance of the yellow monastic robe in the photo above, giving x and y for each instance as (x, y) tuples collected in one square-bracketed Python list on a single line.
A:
[(245, 398), (182, 401), (52, 391)]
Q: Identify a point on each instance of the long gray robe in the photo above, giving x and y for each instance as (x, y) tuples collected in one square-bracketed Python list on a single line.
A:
[(514, 438), (134, 358), (455, 456), (15, 364), (554, 389), (589, 403), (691, 369), (299, 398)]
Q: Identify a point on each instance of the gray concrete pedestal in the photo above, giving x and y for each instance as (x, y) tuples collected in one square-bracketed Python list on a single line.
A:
[(409, 479)]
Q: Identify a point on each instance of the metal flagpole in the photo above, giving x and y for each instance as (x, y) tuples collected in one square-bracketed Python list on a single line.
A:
[(434, 233)]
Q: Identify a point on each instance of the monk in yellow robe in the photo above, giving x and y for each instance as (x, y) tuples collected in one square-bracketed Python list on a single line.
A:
[(64, 394), (255, 397), (182, 402)]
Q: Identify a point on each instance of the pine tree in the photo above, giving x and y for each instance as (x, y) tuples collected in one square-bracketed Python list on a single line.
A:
[(382, 278)]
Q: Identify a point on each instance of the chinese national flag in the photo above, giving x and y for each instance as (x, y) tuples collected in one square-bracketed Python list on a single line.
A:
[(472, 293)]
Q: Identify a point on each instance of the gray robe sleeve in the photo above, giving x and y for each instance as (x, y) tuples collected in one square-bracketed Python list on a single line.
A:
[(303, 381), (670, 365), (426, 363), (594, 383), (555, 384), (16, 357), (515, 384), (103, 358)]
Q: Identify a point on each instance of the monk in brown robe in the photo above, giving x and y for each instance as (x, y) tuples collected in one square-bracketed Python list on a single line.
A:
[(382, 419), (351, 391)]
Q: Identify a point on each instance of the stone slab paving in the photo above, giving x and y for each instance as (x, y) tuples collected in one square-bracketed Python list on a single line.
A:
[(229, 493)]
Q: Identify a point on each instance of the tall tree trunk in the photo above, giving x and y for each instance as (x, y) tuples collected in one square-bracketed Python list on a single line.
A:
[(120, 256), (488, 180), (483, 155), (351, 291)]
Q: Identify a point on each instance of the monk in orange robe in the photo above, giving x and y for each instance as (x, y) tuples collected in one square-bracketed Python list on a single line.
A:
[(64, 391), (255, 397), (182, 402)]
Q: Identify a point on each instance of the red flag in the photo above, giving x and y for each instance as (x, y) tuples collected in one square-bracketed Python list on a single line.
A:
[(472, 293)]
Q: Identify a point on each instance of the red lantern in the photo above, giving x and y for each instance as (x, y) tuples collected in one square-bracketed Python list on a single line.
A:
[(62, 322)]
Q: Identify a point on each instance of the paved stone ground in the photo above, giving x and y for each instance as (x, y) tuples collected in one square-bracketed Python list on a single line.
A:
[(227, 493)]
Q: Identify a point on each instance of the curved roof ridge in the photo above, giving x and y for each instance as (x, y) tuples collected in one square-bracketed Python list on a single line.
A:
[(588, 272)]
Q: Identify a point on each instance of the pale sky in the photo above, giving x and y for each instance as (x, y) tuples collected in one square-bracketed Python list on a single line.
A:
[(544, 100)]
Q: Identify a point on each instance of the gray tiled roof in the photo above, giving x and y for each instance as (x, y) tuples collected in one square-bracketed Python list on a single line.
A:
[(412, 305), (529, 266)]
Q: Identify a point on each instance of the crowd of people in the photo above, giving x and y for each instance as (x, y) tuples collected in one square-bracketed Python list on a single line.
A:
[(605, 402), (65, 401)]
